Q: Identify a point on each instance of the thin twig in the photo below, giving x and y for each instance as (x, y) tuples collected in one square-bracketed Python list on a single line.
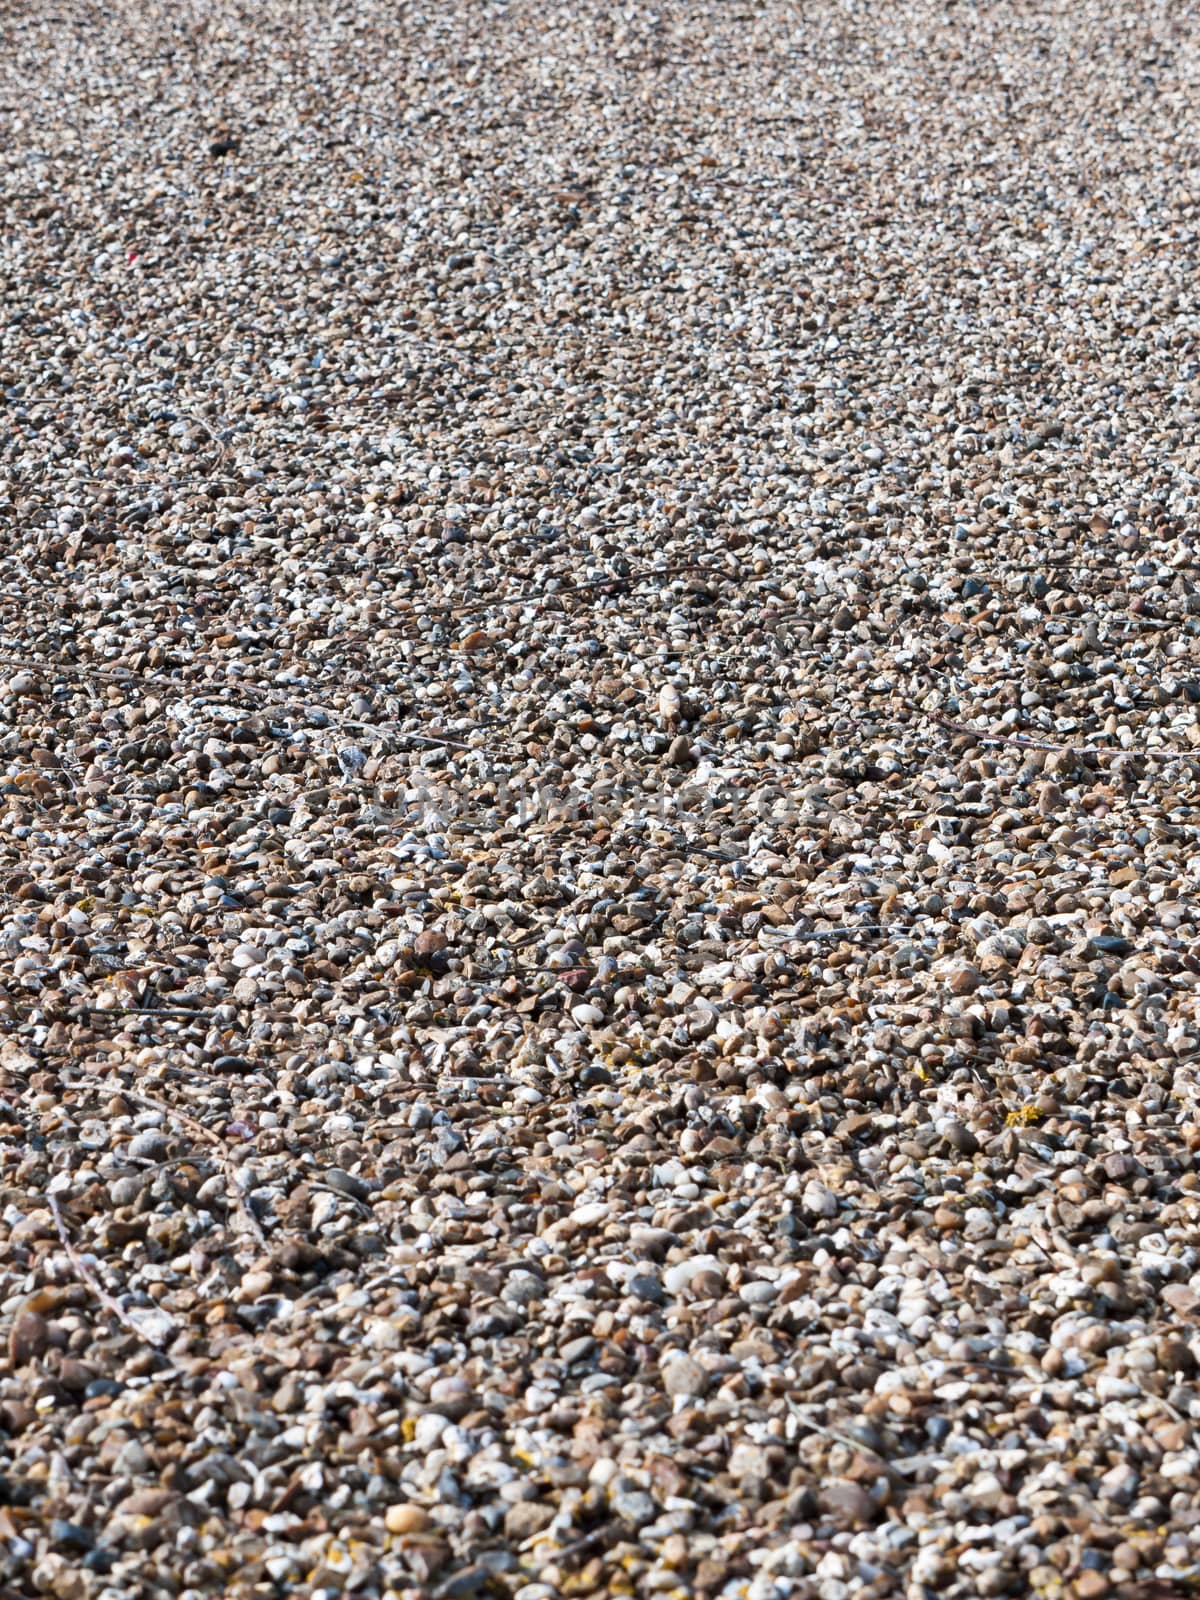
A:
[(533, 597), (89, 1278), (358, 638), (1022, 743), (195, 418), (209, 1137), (893, 1472), (132, 678), (144, 1011), (576, 1546)]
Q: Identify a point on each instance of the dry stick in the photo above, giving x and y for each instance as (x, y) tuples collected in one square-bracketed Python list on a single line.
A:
[(145, 1011), (134, 679), (206, 1134), (131, 676), (847, 930), (1054, 749), (124, 674), (616, 579), (238, 686), (578, 1546), (486, 979), (893, 1471), (89, 1278)]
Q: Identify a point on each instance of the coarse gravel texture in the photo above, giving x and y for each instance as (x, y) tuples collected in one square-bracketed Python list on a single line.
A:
[(599, 750)]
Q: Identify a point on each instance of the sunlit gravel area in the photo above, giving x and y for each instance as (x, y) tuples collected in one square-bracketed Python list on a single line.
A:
[(599, 753)]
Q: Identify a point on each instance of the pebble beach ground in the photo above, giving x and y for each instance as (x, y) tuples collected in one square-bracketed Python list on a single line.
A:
[(599, 748)]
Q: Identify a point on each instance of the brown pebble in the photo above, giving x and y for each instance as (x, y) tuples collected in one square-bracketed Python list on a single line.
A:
[(28, 1339), (846, 1501), (427, 944), (960, 1138), (1090, 1585)]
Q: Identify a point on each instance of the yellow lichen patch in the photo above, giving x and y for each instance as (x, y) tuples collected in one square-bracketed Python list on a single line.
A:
[(1022, 1116)]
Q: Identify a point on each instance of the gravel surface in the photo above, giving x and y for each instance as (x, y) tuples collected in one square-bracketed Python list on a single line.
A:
[(599, 743)]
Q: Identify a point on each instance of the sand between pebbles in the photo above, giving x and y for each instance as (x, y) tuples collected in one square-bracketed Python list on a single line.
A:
[(598, 763)]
